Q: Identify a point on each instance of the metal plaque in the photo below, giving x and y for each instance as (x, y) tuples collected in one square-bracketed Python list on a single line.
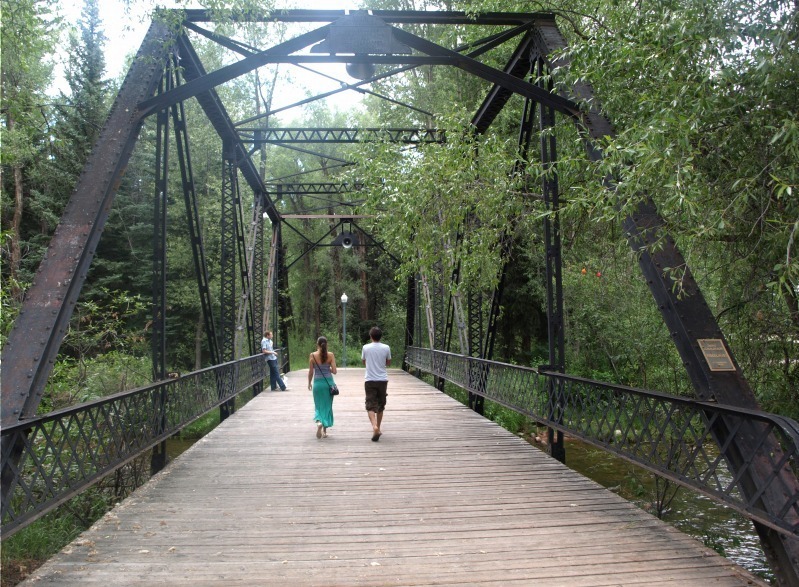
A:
[(716, 355)]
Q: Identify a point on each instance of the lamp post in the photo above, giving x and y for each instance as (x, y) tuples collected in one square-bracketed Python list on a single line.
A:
[(344, 327)]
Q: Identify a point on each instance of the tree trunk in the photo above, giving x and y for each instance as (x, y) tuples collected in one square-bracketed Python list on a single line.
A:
[(16, 224), (793, 305), (199, 330), (364, 314)]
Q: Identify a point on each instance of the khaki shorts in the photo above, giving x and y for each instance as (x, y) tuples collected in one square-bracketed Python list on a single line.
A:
[(375, 395)]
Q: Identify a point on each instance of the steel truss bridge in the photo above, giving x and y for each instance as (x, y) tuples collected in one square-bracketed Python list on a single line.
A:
[(718, 443)]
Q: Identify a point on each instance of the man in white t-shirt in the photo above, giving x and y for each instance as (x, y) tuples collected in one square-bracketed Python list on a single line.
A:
[(376, 356)]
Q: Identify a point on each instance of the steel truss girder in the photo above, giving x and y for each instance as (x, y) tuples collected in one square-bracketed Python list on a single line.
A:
[(689, 319), (433, 54), (519, 65), (33, 343), (278, 136), (245, 311), (411, 304), (159, 238), (441, 17), (283, 300), (258, 279), (158, 341), (552, 244), (312, 188), (208, 99), (195, 232), (229, 231)]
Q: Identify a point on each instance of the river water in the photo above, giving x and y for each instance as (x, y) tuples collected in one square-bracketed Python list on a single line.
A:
[(715, 525)]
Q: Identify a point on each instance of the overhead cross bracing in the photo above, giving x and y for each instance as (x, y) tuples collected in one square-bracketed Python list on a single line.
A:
[(411, 136)]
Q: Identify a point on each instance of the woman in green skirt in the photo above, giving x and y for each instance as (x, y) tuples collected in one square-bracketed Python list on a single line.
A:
[(321, 368)]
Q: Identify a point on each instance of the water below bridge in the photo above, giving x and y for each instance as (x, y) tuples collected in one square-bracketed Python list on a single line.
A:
[(445, 497)]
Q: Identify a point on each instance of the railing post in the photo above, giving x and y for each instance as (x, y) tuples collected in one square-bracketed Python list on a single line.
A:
[(158, 458)]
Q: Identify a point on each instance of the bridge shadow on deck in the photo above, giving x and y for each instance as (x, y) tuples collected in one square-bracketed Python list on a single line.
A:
[(445, 497)]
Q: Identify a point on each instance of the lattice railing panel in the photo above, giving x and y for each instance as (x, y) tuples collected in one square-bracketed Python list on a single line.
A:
[(49, 459), (709, 447)]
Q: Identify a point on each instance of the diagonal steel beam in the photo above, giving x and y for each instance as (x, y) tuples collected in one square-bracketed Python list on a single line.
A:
[(491, 74), (211, 80), (38, 331), (193, 70), (691, 322)]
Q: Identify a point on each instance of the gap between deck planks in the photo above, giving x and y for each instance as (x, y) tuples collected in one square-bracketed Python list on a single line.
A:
[(445, 497)]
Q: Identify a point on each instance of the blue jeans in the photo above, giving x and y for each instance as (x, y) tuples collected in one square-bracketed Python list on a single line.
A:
[(274, 376)]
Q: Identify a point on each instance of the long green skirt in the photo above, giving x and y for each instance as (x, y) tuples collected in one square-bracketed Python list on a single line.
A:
[(323, 402)]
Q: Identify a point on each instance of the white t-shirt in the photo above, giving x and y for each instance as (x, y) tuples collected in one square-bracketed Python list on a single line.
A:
[(375, 355)]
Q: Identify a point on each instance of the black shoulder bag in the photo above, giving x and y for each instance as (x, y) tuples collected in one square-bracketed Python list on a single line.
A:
[(334, 387)]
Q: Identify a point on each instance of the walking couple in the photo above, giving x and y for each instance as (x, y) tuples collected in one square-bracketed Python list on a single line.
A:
[(376, 356)]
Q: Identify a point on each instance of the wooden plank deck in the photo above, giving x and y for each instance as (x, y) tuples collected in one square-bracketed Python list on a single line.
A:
[(444, 498)]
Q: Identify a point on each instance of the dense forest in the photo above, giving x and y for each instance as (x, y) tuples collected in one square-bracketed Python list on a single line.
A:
[(703, 96)]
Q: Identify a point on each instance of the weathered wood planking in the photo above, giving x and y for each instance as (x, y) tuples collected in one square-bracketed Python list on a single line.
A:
[(444, 498)]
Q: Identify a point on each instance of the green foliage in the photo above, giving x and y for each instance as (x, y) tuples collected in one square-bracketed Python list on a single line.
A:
[(102, 352), (201, 426), (614, 331), (41, 540), (444, 206)]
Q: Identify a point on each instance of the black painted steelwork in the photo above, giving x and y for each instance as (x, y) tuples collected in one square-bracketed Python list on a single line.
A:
[(409, 136), (552, 244), (158, 336), (159, 239), (281, 287), (182, 148), (410, 315), (227, 288), (258, 276), (669, 435), (66, 451), (314, 188), (689, 319)]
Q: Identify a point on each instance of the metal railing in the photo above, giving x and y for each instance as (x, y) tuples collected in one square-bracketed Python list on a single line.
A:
[(689, 442), (51, 458)]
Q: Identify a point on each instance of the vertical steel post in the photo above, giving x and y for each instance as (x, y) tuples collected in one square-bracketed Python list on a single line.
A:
[(553, 266), (194, 229), (158, 456), (283, 301), (229, 233), (410, 317), (257, 278), (159, 239), (440, 314)]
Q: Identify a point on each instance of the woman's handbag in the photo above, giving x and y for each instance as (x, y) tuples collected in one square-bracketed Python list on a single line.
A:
[(333, 388)]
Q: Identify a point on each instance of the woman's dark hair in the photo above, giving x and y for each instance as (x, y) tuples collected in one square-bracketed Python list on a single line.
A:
[(321, 342)]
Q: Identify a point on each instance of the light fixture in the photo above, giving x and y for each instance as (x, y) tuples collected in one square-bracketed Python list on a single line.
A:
[(346, 240), (360, 34), (361, 70)]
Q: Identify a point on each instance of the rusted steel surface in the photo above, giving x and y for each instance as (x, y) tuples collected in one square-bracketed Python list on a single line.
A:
[(689, 320), (33, 343)]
